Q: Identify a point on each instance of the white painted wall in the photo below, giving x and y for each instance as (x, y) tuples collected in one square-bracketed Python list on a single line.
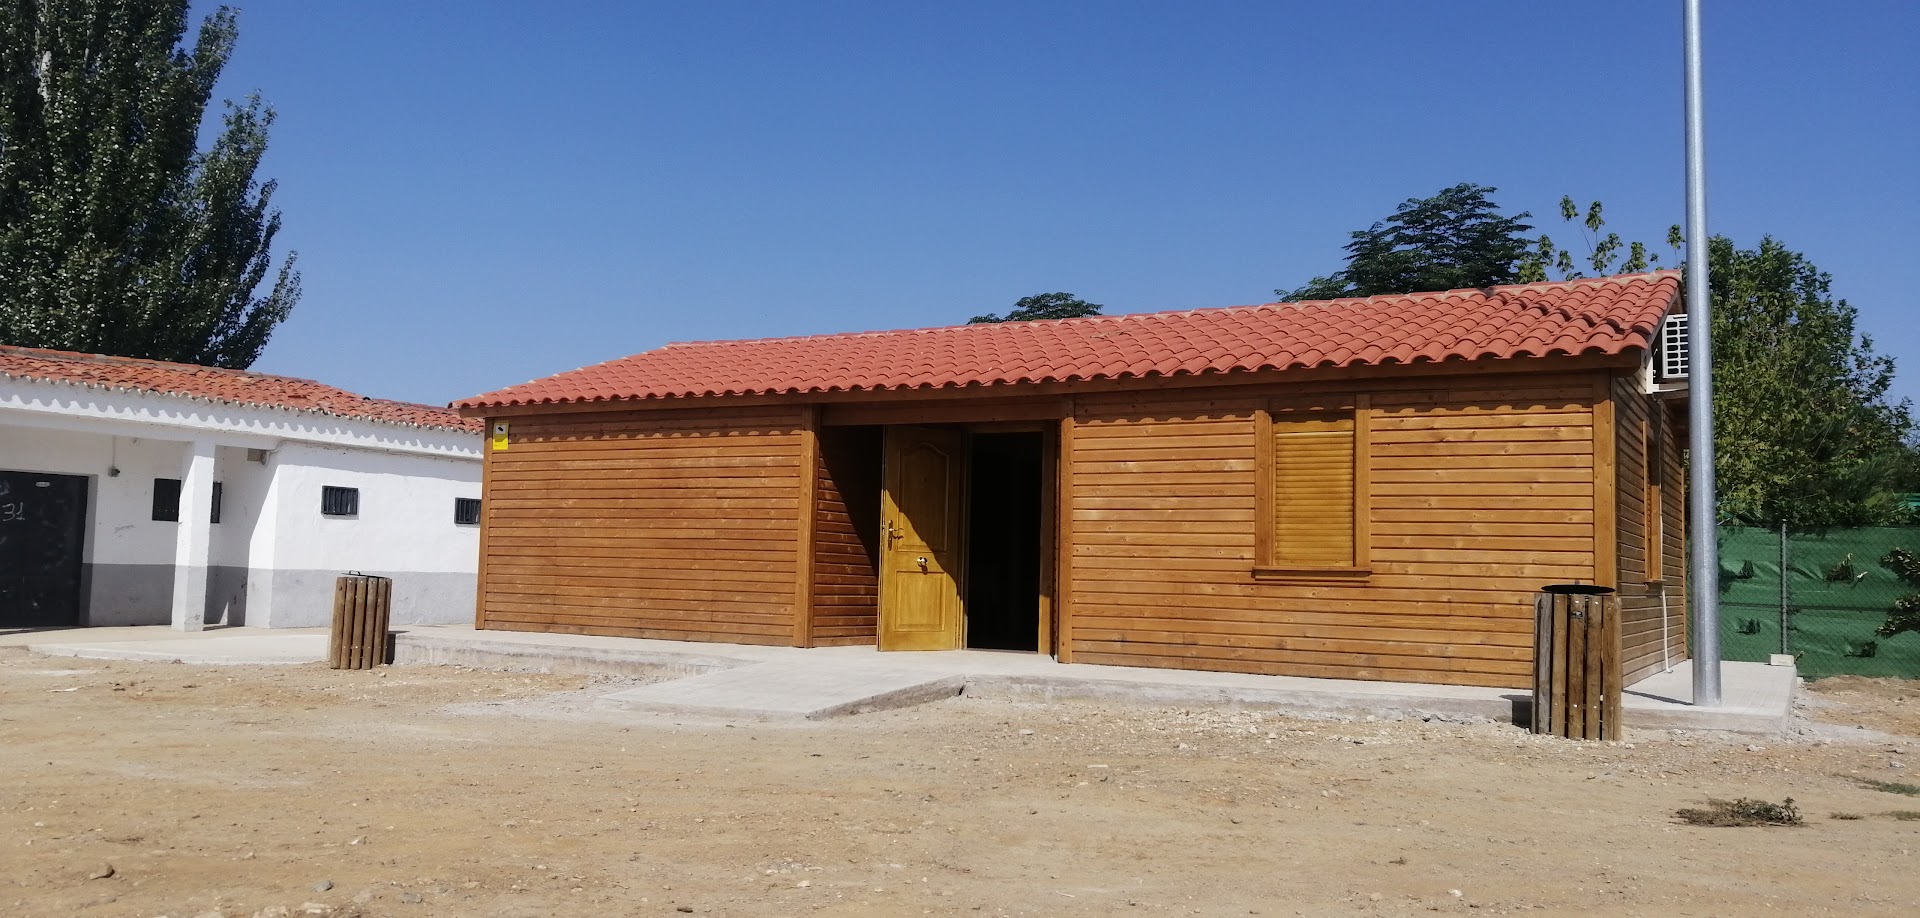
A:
[(406, 511), (404, 530), (121, 507), (230, 552), (273, 556)]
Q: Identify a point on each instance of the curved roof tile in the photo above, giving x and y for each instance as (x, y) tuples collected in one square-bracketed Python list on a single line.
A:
[(1607, 315), (234, 387)]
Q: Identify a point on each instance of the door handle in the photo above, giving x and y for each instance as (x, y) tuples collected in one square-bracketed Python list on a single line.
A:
[(923, 565), (893, 533)]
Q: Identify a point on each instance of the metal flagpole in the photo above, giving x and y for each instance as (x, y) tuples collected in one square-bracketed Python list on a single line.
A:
[(1703, 587)]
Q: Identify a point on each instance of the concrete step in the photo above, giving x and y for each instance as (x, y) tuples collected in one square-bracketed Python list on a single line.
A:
[(511, 652)]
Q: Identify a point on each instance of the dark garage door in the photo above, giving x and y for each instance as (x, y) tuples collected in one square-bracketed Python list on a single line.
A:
[(43, 520)]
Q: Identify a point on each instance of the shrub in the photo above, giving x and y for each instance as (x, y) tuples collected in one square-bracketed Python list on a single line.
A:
[(1742, 812)]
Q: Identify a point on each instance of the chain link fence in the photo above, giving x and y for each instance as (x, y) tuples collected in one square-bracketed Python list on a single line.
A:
[(1826, 610)]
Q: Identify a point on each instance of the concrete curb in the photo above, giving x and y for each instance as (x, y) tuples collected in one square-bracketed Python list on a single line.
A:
[(250, 650), (1045, 689)]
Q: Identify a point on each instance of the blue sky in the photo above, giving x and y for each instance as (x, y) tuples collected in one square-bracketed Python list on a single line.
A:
[(487, 192)]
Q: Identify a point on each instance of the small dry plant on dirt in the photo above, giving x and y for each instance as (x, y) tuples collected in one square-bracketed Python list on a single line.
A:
[(1742, 812), (1844, 816), (1891, 787), (1905, 815)]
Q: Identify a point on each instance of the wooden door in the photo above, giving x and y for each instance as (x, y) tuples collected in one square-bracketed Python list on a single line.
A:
[(922, 552)]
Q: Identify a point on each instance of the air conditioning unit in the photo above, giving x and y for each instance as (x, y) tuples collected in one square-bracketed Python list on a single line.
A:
[(1670, 349)]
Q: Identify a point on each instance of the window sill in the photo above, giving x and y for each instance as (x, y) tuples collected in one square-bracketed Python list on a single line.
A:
[(1337, 574)]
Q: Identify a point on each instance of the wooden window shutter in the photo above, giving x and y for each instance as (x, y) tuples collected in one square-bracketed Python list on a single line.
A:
[(1313, 490)]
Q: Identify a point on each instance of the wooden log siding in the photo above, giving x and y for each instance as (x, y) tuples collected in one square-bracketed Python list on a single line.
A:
[(1652, 600), (846, 571), (1674, 495), (1482, 490), (659, 524)]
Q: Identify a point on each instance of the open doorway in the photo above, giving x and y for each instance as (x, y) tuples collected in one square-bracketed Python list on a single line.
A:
[(964, 538), (1004, 541)]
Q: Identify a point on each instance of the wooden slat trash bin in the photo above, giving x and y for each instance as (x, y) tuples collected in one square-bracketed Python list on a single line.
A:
[(361, 603), (1576, 669)]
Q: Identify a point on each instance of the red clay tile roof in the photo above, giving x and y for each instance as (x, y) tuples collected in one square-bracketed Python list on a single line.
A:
[(236, 387), (1608, 315)]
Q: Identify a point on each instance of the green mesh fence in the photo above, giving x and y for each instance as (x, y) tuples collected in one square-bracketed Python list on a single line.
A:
[(1836, 595)]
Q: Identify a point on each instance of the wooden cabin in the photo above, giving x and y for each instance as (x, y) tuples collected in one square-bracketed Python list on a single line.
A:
[(1362, 489)]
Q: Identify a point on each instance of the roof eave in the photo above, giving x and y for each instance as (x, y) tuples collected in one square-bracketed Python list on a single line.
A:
[(236, 403), (1627, 354)]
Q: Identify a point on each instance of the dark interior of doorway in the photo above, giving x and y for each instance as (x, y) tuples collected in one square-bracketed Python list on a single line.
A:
[(1003, 542)]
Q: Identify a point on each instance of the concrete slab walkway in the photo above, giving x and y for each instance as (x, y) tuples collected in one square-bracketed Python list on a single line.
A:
[(782, 689), (753, 682), (747, 681), (1754, 698), (160, 643)]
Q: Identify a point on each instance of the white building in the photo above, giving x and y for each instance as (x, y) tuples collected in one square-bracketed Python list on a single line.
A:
[(140, 492)]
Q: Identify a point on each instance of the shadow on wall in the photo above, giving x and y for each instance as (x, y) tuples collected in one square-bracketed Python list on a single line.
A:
[(226, 595)]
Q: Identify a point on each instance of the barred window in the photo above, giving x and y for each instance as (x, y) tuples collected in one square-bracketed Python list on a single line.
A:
[(166, 500), (339, 501)]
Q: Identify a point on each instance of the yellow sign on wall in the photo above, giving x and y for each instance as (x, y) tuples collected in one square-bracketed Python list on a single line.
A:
[(499, 436)]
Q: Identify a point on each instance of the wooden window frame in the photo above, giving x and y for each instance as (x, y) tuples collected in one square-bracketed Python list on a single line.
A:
[(1267, 564)]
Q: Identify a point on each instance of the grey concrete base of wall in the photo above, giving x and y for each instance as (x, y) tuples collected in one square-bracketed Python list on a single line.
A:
[(304, 598), (142, 594), (128, 594)]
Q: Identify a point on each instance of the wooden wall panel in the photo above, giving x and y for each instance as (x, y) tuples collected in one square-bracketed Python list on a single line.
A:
[(1482, 491), (1652, 597), (1674, 496), (659, 524), (846, 572), (1633, 427)]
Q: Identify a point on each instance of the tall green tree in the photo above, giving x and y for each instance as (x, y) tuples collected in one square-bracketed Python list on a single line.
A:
[(118, 234), (1804, 432), (1043, 306), (1457, 238)]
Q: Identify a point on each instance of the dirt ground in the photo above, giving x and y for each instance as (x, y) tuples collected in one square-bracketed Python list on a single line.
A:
[(140, 790)]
